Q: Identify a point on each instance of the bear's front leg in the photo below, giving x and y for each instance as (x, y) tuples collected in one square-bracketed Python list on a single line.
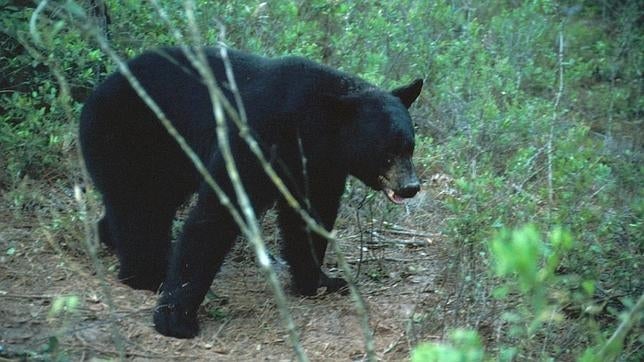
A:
[(173, 318), (304, 249), (208, 235)]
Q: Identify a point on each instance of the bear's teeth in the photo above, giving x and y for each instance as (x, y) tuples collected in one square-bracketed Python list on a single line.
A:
[(391, 195)]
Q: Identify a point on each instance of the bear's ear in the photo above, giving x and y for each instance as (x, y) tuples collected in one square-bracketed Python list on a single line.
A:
[(409, 93)]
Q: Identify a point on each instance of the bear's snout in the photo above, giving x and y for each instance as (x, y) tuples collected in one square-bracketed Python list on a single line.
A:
[(400, 181), (411, 189)]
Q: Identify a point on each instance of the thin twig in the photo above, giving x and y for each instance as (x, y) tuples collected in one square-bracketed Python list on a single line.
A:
[(308, 219), (385, 240), (617, 339), (252, 230), (386, 258), (554, 117), (360, 235), (90, 244), (4, 294), (412, 233), (250, 227)]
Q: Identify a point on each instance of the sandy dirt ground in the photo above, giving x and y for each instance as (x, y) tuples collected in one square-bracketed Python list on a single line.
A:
[(399, 262)]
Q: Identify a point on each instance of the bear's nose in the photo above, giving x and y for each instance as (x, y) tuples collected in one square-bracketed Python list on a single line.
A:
[(409, 190)]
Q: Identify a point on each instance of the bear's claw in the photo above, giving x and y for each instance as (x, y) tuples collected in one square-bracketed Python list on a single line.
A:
[(334, 285), (172, 321)]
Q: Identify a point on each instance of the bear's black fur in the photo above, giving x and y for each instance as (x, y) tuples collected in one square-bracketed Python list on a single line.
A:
[(344, 126)]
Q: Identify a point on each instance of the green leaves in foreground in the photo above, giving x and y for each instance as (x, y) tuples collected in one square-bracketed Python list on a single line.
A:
[(464, 346), (521, 254), (526, 264)]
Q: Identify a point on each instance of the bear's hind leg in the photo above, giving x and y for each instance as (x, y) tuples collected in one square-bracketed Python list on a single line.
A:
[(104, 234), (140, 233)]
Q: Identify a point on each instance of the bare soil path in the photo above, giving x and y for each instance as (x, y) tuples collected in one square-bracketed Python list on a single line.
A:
[(398, 270)]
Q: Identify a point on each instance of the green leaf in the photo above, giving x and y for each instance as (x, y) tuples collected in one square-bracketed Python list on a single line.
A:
[(588, 286)]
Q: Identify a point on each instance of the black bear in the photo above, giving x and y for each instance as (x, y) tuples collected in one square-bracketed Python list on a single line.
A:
[(300, 112)]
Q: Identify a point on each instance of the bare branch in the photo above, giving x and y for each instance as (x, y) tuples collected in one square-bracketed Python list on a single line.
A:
[(252, 230), (554, 116), (617, 339)]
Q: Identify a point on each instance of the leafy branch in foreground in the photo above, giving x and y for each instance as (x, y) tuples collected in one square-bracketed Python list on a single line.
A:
[(527, 265), (614, 345)]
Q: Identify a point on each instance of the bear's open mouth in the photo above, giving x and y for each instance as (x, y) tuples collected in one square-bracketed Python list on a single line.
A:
[(393, 197), (391, 194)]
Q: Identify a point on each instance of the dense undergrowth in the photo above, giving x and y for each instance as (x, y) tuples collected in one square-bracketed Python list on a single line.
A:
[(532, 108)]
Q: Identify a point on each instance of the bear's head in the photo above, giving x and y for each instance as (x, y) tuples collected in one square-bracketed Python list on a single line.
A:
[(379, 139)]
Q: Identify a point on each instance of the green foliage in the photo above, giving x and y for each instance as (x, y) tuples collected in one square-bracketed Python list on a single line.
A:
[(528, 267), (521, 252), (510, 147), (465, 346), (63, 304), (61, 315), (36, 135), (528, 263)]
